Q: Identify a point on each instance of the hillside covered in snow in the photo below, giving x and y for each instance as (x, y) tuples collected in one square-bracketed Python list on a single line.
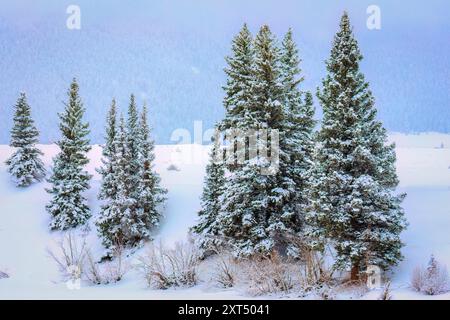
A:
[(423, 166)]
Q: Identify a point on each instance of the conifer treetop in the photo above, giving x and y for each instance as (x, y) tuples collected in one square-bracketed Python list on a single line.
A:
[(239, 73), (24, 131), (111, 128), (72, 126), (345, 53), (290, 61), (132, 115)]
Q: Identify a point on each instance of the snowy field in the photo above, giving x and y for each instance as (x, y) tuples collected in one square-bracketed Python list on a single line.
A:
[(424, 170)]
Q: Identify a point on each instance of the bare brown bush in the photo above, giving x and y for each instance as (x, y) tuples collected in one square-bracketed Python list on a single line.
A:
[(70, 254), (76, 261), (262, 274), (313, 269), (268, 274), (225, 270), (106, 272), (164, 268)]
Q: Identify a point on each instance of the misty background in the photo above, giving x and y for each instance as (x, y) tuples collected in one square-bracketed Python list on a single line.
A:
[(170, 54)]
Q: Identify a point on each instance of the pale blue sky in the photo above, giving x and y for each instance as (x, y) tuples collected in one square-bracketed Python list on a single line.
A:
[(171, 54)]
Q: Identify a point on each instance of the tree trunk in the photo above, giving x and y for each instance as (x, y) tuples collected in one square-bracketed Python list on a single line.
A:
[(354, 275)]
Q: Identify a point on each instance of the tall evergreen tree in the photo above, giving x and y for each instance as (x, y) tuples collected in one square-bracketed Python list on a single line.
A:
[(298, 140), (25, 164), (268, 104), (134, 142), (118, 206), (108, 187), (69, 179), (108, 218), (252, 202), (213, 224), (132, 190), (239, 80), (213, 187), (354, 200), (151, 194)]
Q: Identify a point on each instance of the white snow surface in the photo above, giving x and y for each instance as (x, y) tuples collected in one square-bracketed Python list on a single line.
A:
[(423, 165)]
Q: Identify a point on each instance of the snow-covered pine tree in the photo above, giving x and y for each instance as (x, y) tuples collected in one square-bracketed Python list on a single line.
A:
[(238, 94), (239, 73), (69, 179), (298, 140), (236, 102), (268, 95), (111, 222), (151, 194), (133, 224), (25, 164), (252, 202), (134, 142), (108, 218), (108, 185), (354, 200), (239, 79), (206, 228)]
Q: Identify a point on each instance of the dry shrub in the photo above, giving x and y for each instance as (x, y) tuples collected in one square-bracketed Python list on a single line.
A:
[(109, 271), (357, 288), (269, 274), (76, 261), (315, 273), (164, 268), (219, 257), (274, 273), (431, 280), (70, 254), (225, 270)]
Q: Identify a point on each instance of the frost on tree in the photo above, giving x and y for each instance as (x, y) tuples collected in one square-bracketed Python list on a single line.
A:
[(25, 164), (354, 200), (131, 190), (133, 141), (254, 205), (297, 143), (69, 180), (109, 185), (108, 188), (246, 206), (118, 203), (207, 228), (254, 212), (239, 79), (151, 194)]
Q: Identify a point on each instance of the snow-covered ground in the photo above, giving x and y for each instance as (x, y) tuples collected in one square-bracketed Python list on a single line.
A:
[(424, 170)]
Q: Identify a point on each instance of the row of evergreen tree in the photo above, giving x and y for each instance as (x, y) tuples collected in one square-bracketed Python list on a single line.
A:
[(336, 185), (130, 188)]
